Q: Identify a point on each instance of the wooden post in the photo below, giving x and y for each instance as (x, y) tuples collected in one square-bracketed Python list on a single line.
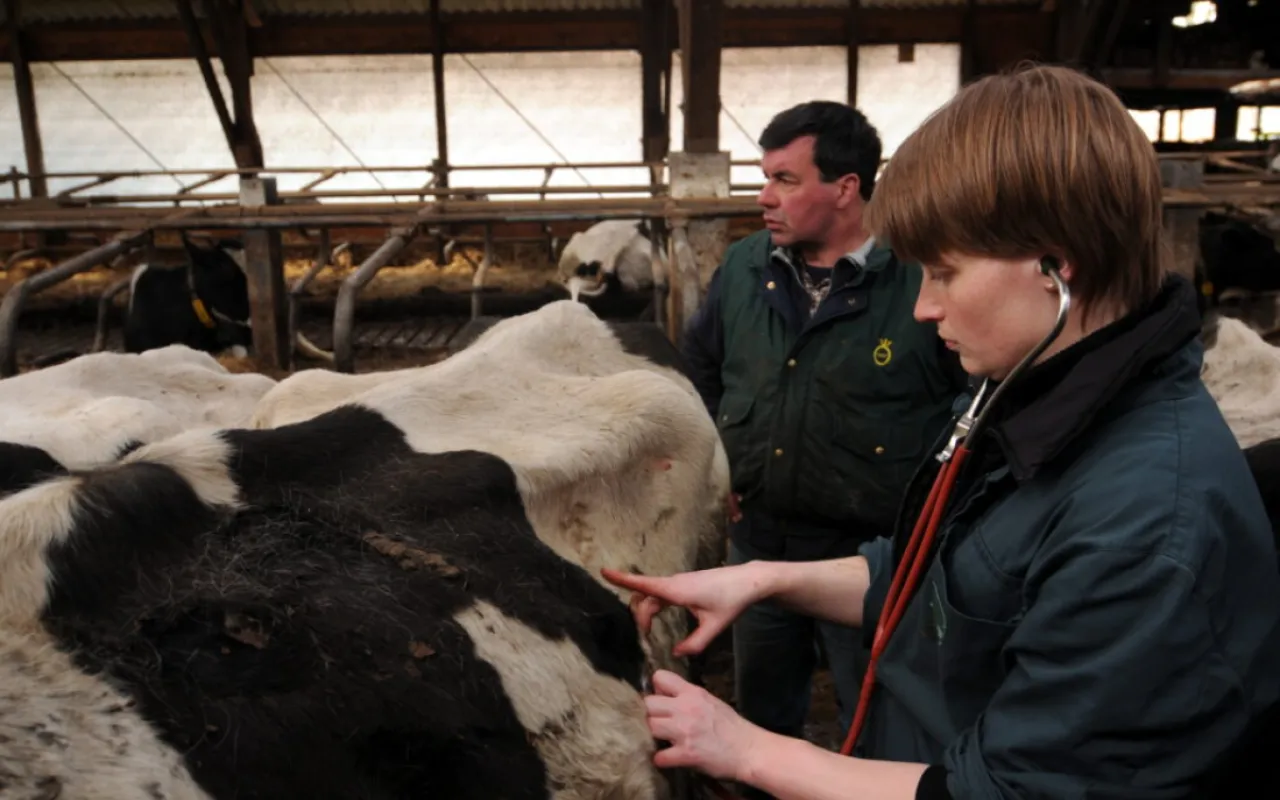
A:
[(700, 37), (24, 88), (696, 175), (1181, 230), (264, 263), (701, 170), (1226, 120)]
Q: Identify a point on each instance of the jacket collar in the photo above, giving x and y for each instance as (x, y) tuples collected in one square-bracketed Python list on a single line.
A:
[(1055, 402), (849, 269)]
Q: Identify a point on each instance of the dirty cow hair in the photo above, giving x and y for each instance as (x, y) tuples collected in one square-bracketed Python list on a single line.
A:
[(285, 615)]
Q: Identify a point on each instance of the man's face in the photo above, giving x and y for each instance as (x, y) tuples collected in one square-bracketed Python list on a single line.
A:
[(798, 206)]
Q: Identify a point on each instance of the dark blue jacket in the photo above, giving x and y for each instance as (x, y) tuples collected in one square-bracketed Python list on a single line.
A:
[(1101, 618)]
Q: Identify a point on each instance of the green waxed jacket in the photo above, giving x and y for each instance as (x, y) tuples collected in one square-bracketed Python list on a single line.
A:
[(824, 419)]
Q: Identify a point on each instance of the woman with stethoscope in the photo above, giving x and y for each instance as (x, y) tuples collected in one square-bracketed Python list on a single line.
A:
[(1087, 604)]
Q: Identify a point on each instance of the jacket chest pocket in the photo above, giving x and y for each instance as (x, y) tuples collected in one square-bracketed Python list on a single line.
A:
[(960, 654), (736, 422), (889, 364)]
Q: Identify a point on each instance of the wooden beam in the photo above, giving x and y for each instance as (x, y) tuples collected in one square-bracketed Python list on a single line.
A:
[(1100, 56), (1164, 52), (390, 34), (655, 80), (853, 36), (1086, 33), (440, 177), (25, 90), (969, 43), (1182, 79), (437, 83), (700, 37), (231, 33), (191, 26)]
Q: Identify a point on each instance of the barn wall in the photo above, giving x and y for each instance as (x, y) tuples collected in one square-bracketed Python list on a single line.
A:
[(503, 109)]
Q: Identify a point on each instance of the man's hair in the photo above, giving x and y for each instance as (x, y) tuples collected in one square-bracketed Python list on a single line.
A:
[(1041, 160), (844, 141)]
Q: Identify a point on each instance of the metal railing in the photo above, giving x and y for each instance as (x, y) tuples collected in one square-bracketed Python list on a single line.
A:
[(189, 192)]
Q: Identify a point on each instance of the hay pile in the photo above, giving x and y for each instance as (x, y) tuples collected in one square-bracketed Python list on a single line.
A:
[(516, 270)]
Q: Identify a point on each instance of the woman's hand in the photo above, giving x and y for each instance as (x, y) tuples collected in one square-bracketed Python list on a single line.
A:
[(704, 732), (715, 596)]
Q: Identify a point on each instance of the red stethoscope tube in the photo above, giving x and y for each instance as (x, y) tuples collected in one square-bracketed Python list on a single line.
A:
[(905, 579)]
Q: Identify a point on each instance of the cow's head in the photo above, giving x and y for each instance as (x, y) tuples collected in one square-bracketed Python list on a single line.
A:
[(218, 280), (587, 279)]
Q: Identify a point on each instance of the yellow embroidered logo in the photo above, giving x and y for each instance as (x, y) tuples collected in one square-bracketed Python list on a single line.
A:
[(883, 354)]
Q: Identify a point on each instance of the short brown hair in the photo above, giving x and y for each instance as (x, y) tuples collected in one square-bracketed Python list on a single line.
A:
[(1042, 160)]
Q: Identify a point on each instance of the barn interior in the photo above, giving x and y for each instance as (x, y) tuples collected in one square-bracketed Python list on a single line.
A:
[(426, 189)]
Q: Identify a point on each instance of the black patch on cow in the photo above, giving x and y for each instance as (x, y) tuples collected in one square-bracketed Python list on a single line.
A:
[(161, 312), (306, 647), (649, 341), (23, 465), (132, 522), (1237, 255)]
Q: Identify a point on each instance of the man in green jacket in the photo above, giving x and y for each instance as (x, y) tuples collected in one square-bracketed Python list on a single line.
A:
[(827, 393)]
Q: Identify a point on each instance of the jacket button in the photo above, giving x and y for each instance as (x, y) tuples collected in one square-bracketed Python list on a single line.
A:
[(778, 452), (879, 449), (791, 362), (771, 285)]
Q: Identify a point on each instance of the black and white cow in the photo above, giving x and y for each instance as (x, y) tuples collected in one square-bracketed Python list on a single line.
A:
[(314, 611), (644, 339), (203, 304), (87, 411), (1240, 272), (613, 260), (1237, 256), (618, 460)]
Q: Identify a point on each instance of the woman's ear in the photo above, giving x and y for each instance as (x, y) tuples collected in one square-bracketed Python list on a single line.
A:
[(1059, 264)]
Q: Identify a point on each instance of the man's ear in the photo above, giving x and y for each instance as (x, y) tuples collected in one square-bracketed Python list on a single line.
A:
[(850, 189)]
